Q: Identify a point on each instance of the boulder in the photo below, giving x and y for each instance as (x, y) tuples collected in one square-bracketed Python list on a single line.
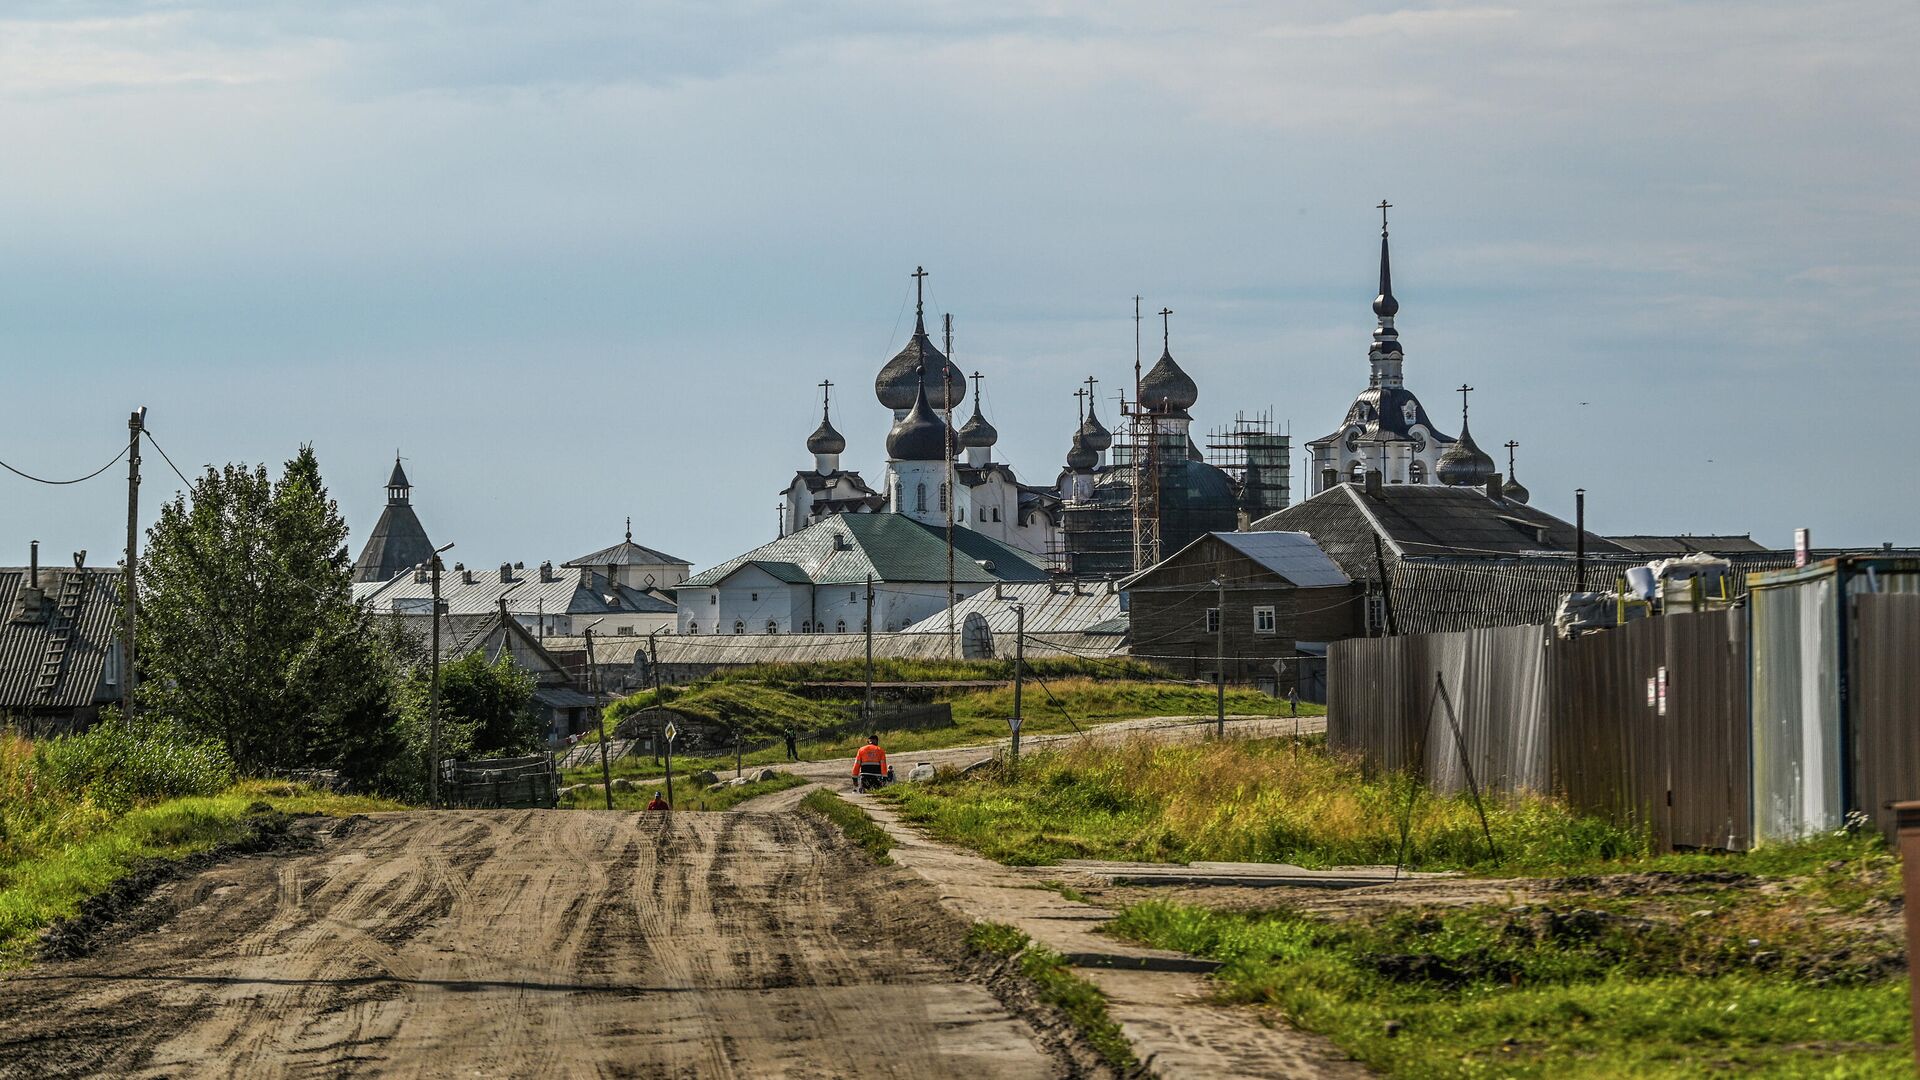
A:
[(920, 772), (704, 777), (767, 774), (623, 784)]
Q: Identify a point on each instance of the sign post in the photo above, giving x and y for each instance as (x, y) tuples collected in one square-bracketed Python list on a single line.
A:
[(670, 733)]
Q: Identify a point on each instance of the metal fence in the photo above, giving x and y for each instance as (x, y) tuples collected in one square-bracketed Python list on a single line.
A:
[(1718, 729)]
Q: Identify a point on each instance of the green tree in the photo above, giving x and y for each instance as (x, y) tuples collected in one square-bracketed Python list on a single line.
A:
[(486, 709), (248, 629)]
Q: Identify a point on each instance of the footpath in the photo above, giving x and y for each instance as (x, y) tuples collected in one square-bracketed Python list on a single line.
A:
[(1160, 999)]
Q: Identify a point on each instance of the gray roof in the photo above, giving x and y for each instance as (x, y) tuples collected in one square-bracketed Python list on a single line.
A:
[(1292, 555), (1688, 543), (83, 609), (738, 649), (574, 590), (1051, 606), (627, 553), (398, 542), (846, 548), (1425, 520)]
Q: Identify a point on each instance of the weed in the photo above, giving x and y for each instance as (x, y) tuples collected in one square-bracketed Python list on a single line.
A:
[(853, 821), (1082, 1002)]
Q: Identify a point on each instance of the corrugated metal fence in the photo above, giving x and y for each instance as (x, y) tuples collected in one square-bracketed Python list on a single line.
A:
[(1653, 723)]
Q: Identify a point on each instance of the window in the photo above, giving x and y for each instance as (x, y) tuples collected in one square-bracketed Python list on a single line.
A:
[(806, 627), (1213, 620), (840, 626), (693, 627), (943, 496), (1357, 474), (739, 627), (713, 597), (755, 596), (996, 513), (920, 499), (1376, 615), (1263, 620), (852, 598), (772, 627), (1416, 473), (624, 631)]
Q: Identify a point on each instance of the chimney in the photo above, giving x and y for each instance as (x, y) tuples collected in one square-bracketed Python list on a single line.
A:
[(546, 570), (33, 564), (1329, 478), (1496, 488), (506, 572), (1374, 480), (33, 601), (466, 576), (420, 574)]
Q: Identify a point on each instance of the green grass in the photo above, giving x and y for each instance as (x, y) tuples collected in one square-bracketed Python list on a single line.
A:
[(1560, 991), (686, 796), (53, 883), (853, 821), (1262, 800), (1079, 999)]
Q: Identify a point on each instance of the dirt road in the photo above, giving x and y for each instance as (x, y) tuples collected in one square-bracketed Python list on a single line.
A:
[(527, 943)]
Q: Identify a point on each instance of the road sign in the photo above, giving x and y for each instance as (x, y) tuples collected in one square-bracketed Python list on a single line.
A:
[(671, 731), (1014, 723)]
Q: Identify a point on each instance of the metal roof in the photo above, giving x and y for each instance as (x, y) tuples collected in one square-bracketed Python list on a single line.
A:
[(728, 650), (846, 548), (84, 608), (573, 591), (1050, 606), (1687, 543), (397, 543), (1292, 555), (627, 553)]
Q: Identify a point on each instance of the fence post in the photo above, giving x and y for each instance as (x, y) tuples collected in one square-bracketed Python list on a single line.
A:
[(1907, 816)]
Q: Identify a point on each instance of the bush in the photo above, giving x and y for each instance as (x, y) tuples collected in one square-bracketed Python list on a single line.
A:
[(117, 768)]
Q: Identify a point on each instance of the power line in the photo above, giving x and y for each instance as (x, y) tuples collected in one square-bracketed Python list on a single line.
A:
[(80, 480), (168, 460)]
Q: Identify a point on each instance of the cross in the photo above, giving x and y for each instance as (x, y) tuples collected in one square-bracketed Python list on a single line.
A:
[(1080, 403), (1464, 391), (826, 391), (1383, 208), (1165, 329), (629, 528), (1090, 381), (919, 282), (1511, 447), (976, 391)]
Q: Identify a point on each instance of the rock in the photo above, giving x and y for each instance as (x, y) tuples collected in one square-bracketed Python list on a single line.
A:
[(977, 766), (623, 784), (922, 771), (704, 777), (766, 774), (739, 781), (716, 787)]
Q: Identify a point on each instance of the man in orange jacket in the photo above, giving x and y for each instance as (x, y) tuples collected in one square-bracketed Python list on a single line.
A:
[(869, 754)]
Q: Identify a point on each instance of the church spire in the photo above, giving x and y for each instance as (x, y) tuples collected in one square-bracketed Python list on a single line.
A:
[(1385, 355)]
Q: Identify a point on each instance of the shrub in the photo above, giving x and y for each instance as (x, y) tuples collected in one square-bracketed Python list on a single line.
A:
[(117, 768)]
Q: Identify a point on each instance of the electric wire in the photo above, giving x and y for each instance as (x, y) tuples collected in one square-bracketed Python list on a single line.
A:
[(128, 445), (168, 460)]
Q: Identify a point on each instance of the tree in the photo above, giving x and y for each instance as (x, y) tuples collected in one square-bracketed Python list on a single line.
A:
[(249, 633), (486, 709)]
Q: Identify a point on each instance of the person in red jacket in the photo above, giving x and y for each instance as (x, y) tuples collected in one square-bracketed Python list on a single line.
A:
[(658, 803), (870, 754)]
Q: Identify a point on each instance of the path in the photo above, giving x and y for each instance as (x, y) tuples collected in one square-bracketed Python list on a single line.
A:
[(528, 943)]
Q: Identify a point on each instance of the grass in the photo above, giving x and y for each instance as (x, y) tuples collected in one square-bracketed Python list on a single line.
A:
[(1562, 990), (853, 821), (685, 796), (53, 882), (1085, 1007), (1238, 801)]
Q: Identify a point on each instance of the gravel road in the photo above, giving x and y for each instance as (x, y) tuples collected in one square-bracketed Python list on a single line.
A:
[(528, 943)]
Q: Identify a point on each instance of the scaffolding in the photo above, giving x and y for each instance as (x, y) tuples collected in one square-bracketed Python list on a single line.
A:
[(1259, 459)]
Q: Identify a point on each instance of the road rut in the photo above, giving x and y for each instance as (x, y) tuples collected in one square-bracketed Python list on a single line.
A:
[(529, 943)]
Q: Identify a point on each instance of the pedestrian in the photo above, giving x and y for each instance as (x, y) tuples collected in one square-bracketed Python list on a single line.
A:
[(658, 803), (1293, 699), (793, 745)]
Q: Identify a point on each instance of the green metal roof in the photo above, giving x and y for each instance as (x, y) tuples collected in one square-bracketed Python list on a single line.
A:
[(845, 548)]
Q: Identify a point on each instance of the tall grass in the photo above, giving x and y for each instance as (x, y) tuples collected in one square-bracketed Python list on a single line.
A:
[(1240, 801), (1085, 698)]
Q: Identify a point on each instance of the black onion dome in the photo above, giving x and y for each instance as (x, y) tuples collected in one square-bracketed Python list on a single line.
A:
[(920, 435), (1167, 388), (1093, 434), (1081, 458), (901, 377), (1464, 464), (977, 432), (825, 440), (1515, 491)]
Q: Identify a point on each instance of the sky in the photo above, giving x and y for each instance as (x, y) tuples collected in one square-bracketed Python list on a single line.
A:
[(579, 261)]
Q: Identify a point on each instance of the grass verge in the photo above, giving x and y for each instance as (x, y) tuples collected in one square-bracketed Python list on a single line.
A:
[(1561, 990), (1078, 999), (1267, 800), (40, 889), (685, 796), (853, 821)]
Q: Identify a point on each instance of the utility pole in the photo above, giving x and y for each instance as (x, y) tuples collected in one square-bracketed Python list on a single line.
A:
[(433, 691), (653, 667), (136, 424), (866, 700), (599, 715), (1220, 659), (953, 488), (1580, 539), (1019, 667)]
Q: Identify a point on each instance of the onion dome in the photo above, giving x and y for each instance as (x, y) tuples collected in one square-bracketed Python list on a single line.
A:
[(825, 440), (1081, 457), (1167, 388), (1464, 464), (901, 377), (920, 435), (976, 432), (1093, 434), (1514, 490)]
